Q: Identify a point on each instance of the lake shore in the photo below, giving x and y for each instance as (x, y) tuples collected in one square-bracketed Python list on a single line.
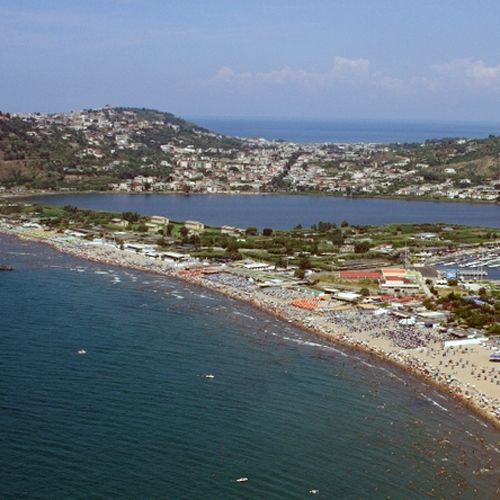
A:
[(36, 193), (477, 389)]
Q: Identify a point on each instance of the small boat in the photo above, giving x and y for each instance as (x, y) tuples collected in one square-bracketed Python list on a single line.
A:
[(6, 268), (313, 492), (82, 351), (209, 375), (242, 480)]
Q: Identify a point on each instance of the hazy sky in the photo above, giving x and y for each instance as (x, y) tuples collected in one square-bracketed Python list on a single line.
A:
[(400, 59)]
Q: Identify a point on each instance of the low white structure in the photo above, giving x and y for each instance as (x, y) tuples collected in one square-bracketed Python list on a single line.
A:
[(194, 225), (457, 343)]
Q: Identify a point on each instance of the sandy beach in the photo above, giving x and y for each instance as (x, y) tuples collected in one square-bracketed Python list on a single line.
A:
[(464, 372)]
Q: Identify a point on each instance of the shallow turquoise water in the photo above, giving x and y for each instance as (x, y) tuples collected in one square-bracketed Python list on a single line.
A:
[(136, 418)]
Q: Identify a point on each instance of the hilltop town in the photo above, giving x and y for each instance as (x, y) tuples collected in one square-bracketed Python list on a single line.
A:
[(142, 150)]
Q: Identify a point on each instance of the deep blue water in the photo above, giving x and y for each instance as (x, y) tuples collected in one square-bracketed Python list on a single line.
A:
[(285, 211), (346, 131), (136, 418)]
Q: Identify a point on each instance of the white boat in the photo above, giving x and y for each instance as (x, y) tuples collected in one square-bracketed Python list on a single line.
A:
[(82, 351), (242, 480), (209, 375)]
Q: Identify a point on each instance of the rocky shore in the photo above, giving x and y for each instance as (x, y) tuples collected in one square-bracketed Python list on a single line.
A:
[(464, 373)]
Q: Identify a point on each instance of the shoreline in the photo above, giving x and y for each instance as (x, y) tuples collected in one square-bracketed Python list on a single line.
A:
[(410, 365), (252, 193)]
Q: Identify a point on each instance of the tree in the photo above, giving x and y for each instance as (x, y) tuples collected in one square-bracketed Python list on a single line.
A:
[(362, 247), (232, 246), (282, 263), (184, 231), (344, 223), (364, 292), (170, 228), (251, 231), (267, 231), (300, 273), (304, 263), (336, 237), (131, 216)]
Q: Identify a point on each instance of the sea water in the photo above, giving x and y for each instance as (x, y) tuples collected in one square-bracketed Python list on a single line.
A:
[(134, 415)]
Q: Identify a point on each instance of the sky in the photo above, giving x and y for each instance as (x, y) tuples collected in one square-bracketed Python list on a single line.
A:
[(359, 59)]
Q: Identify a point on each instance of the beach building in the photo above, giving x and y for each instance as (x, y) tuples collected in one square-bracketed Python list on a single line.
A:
[(231, 230), (119, 222), (174, 256), (152, 228), (194, 226), (347, 296), (398, 281), (257, 266), (159, 220)]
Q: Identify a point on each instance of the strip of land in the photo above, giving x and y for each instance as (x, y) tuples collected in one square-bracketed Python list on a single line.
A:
[(458, 364)]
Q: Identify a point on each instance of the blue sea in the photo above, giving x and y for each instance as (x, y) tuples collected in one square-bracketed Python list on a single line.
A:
[(135, 416), (345, 131)]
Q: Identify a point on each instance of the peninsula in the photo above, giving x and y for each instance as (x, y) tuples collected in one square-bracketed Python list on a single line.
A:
[(381, 289), (143, 150)]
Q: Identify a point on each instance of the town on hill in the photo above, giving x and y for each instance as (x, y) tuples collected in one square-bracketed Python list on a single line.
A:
[(142, 150)]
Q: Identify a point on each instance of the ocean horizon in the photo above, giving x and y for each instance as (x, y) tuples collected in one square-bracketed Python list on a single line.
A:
[(314, 130)]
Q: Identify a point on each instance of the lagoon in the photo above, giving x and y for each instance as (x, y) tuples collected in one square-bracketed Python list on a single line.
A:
[(284, 211)]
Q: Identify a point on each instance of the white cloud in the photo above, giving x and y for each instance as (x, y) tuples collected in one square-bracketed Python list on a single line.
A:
[(352, 71), (470, 72), (460, 73)]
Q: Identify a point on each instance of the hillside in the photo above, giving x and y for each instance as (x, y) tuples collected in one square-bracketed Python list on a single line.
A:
[(91, 148), (133, 149)]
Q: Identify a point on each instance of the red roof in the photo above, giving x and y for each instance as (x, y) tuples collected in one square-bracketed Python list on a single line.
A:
[(386, 297), (405, 298), (359, 275)]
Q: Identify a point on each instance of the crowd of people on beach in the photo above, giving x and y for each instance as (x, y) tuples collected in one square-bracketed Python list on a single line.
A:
[(414, 347)]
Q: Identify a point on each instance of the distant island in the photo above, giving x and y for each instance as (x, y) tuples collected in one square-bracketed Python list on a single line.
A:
[(143, 150)]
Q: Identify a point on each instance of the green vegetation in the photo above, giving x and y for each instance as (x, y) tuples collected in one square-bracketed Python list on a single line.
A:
[(316, 253), (61, 157), (482, 312)]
